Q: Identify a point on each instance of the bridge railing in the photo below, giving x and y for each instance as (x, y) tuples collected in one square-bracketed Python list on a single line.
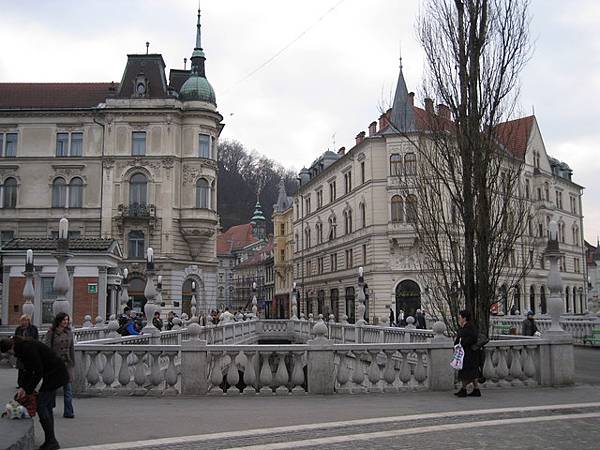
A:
[(578, 327)]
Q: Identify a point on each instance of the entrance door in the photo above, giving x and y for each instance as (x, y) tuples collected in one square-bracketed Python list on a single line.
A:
[(135, 290), (350, 305), (408, 298)]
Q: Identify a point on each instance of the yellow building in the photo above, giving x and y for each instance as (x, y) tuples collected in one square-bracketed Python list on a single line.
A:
[(283, 252)]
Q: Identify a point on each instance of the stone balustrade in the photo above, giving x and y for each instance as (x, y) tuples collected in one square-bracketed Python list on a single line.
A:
[(578, 326)]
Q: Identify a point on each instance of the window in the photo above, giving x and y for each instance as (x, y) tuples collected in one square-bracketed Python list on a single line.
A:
[(76, 193), (333, 262), (362, 172), (6, 236), (410, 164), (397, 209), (307, 204), (69, 144), (138, 187), (347, 182), (282, 229), (204, 141), (138, 143), (348, 222), (364, 254), (547, 191), (411, 209), (395, 165), (319, 229), (319, 198), (282, 254), (559, 203), (527, 188), (59, 193), (332, 192), (297, 242), (136, 244), (349, 259), (332, 228), (202, 194), (309, 267), (9, 142), (539, 194), (48, 297), (575, 235), (363, 215), (9, 193), (320, 265)]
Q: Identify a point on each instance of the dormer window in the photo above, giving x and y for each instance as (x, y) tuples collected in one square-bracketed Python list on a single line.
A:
[(140, 86)]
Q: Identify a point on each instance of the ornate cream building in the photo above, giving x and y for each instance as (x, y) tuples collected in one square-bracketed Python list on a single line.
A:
[(283, 227), (351, 211), (134, 161)]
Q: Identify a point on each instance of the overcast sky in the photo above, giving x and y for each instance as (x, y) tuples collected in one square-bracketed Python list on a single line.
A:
[(327, 85)]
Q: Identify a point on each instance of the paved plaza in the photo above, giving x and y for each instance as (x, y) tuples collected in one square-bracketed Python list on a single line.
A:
[(520, 418)]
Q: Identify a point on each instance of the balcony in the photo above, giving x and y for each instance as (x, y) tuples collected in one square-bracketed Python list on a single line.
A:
[(136, 213)]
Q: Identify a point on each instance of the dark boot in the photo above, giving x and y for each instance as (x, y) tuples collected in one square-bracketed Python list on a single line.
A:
[(475, 393), (461, 393), (50, 442)]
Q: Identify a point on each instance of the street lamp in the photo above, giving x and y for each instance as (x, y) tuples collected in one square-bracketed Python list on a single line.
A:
[(124, 293), (61, 279), (361, 298), (28, 292), (294, 301), (150, 294), (194, 302)]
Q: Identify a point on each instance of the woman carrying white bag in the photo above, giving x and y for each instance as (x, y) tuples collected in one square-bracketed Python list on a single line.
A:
[(465, 359)]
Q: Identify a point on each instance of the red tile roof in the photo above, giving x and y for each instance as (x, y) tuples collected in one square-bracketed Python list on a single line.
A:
[(54, 95), (514, 134), (235, 238), (260, 255)]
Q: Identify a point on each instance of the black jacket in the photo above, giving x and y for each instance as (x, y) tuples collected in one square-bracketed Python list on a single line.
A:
[(39, 363), (467, 336), (30, 331)]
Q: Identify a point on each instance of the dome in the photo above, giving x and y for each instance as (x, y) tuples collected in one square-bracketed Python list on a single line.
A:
[(197, 88)]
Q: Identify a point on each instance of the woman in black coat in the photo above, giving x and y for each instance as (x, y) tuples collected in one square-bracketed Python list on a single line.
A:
[(467, 337)]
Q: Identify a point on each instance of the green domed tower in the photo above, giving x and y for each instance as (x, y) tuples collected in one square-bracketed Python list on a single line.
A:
[(197, 87), (259, 222)]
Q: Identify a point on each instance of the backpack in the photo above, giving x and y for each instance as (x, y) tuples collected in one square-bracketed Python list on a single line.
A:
[(482, 339)]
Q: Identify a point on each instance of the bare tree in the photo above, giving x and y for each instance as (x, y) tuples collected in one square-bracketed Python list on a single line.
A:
[(464, 191)]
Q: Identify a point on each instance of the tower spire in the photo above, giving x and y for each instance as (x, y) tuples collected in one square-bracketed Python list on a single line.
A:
[(198, 33)]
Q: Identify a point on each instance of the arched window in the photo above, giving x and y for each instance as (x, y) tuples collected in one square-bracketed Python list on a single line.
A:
[(138, 190), (347, 222), (517, 298), (547, 191), (136, 244), (397, 209), (59, 193), (10, 193), (363, 215), (332, 228), (532, 299), (575, 300), (76, 193), (202, 194), (395, 164), (543, 305), (567, 300), (410, 164), (575, 235), (411, 209)]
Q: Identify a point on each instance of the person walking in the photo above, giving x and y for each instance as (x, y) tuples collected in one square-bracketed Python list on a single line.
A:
[(170, 317), (529, 327), (157, 321), (467, 337), (420, 319), (27, 330), (60, 339), (40, 363)]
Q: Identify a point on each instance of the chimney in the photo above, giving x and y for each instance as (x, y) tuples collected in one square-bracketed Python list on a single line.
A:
[(360, 137), (429, 106), (341, 151), (411, 98), (372, 128), (382, 122), (443, 112)]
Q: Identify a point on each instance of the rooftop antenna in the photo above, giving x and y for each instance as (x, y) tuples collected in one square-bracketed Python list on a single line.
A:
[(147, 46), (400, 51), (184, 63), (533, 110)]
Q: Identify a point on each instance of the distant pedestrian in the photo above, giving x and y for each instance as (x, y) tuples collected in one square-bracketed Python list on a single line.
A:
[(420, 320), (401, 322), (60, 339), (157, 321), (529, 326), (170, 318), (27, 330), (40, 363), (392, 317), (467, 337)]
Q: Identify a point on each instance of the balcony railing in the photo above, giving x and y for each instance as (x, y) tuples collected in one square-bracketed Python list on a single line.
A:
[(137, 210)]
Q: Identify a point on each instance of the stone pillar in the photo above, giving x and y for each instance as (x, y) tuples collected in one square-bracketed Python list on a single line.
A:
[(113, 300), (321, 370), (194, 363), (440, 373), (102, 286)]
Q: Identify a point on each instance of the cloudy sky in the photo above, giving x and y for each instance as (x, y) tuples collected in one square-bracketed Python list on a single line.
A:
[(323, 88)]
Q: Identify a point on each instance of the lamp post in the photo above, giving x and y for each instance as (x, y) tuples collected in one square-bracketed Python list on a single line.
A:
[(150, 294), (194, 302), (254, 301), (294, 301), (555, 302), (28, 292), (124, 294), (61, 279), (361, 298), (159, 301)]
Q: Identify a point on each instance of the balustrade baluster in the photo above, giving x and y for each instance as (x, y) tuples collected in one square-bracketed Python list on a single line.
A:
[(281, 376), (250, 374), (389, 373), (92, 374), (420, 373), (266, 375), (233, 377), (216, 375), (298, 373), (502, 368), (343, 374), (108, 374), (124, 375), (374, 373), (529, 365), (405, 374), (171, 374), (358, 374), (489, 371), (516, 369), (139, 375), (156, 375)]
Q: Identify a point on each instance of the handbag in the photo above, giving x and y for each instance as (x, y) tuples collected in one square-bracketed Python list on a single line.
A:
[(482, 339), (457, 357)]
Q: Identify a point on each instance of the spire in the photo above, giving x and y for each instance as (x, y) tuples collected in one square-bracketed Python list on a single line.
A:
[(198, 34), (403, 115), (198, 58)]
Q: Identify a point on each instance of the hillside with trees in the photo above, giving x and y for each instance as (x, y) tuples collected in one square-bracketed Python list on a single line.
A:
[(243, 174)]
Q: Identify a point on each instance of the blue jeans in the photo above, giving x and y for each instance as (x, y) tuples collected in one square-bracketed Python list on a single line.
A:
[(68, 399)]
